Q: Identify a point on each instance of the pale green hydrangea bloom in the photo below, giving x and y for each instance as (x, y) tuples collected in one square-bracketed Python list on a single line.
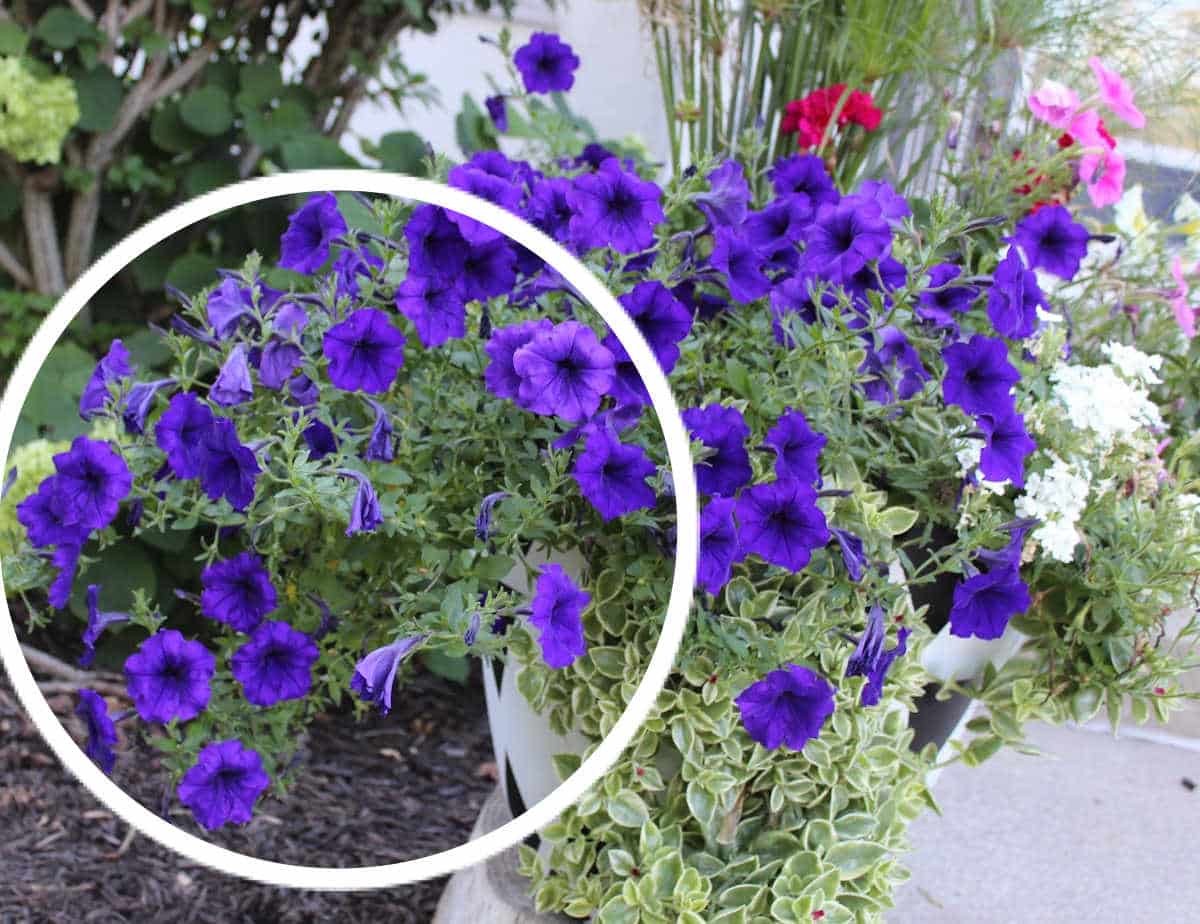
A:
[(37, 112)]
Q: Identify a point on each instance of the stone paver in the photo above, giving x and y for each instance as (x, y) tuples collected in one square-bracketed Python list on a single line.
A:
[(1096, 830)]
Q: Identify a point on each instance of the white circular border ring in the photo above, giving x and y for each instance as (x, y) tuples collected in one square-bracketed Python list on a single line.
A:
[(686, 549)]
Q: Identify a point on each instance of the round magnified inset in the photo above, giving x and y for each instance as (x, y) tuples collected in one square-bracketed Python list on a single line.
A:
[(361, 349)]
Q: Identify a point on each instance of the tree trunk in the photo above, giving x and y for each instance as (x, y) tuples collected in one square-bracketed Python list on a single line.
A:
[(45, 257)]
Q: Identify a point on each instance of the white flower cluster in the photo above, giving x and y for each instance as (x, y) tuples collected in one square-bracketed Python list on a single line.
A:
[(1099, 400), (1136, 366), (1057, 497)]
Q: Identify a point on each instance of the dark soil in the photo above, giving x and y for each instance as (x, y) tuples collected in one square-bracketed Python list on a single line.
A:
[(380, 791)]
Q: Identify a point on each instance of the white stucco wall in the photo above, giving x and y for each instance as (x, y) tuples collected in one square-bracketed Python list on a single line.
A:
[(615, 86)]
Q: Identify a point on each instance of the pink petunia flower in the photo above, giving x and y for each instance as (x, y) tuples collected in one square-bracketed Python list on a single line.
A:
[(1101, 168), (1054, 103), (1185, 314), (1117, 94)]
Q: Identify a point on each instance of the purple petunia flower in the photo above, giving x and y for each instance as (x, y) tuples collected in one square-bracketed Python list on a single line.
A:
[(379, 447), (613, 208), (844, 237), (436, 249), (311, 231), (44, 516), (237, 592), (375, 673), (280, 358), (289, 319), (740, 263), (787, 707), (483, 521), (1052, 241), (795, 296), (66, 559), (985, 602), (487, 186), (112, 368), (547, 64), (728, 198), (92, 481), (804, 175), (489, 270), (797, 447), (612, 475), (319, 438), (723, 430), (563, 372), (303, 390), (233, 385), (223, 785), (168, 677), (893, 206), (180, 434), (781, 523), (1008, 444), (778, 228), (718, 544), (137, 404), (102, 733), (1014, 298), (365, 352), (437, 309), (941, 302), (853, 557), (628, 390), (500, 376), (885, 275), (275, 665), (558, 607), (897, 365), (549, 207), (97, 622), (351, 266), (227, 304), (497, 111), (659, 315), (365, 515), (870, 660), (979, 376), (229, 469)]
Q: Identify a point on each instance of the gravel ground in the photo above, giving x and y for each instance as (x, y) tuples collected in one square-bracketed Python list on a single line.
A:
[(385, 790)]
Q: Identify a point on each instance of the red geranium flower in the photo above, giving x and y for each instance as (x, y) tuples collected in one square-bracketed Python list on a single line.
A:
[(809, 117)]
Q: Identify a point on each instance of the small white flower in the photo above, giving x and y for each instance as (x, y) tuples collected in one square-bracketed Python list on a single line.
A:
[(1058, 539), (1099, 400), (1132, 363)]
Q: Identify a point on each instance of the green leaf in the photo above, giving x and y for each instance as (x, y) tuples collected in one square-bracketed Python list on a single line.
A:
[(627, 809), (259, 83), (273, 127), (855, 858), (207, 110), (192, 272), (168, 131), (53, 402), (455, 669), (13, 39), (310, 151), (403, 152), (897, 520), (209, 174), (100, 94), (120, 570), (63, 28), (473, 130)]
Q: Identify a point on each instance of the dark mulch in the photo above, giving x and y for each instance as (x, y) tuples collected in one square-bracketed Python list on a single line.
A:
[(385, 790)]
